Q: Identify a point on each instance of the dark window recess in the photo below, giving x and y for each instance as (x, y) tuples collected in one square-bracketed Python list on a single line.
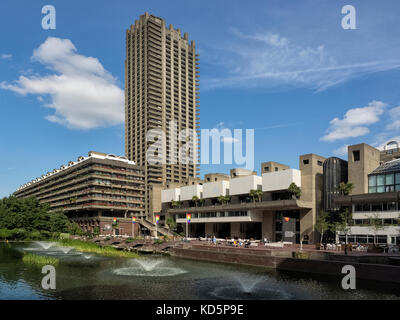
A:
[(320, 163), (306, 161), (356, 155)]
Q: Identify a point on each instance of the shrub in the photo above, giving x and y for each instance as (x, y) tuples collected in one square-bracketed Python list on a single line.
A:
[(64, 236), (39, 261), (45, 234), (5, 234)]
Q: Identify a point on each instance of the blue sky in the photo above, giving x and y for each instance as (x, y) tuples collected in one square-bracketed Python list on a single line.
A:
[(287, 69)]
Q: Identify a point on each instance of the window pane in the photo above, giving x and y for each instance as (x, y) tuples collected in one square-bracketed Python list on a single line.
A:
[(376, 207), (397, 178), (381, 181), (372, 181), (397, 187), (390, 178), (381, 189), (389, 188), (373, 189)]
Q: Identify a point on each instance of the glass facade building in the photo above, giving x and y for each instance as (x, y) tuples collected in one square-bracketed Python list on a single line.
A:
[(385, 178)]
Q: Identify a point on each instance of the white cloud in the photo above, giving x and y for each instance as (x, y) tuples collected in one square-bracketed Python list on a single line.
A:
[(381, 145), (395, 119), (267, 59), (342, 151), (5, 56), (355, 121), (83, 94)]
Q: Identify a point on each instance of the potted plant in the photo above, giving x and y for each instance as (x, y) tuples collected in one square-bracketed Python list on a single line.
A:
[(294, 191)]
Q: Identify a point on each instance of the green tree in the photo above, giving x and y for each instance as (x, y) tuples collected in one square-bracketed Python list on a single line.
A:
[(176, 204), (223, 199), (322, 224), (345, 188), (170, 222), (343, 224), (376, 224), (196, 200), (256, 194), (294, 190)]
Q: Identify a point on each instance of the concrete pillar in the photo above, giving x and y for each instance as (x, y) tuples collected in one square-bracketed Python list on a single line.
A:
[(268, 228)]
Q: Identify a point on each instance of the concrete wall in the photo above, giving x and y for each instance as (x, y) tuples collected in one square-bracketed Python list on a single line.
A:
[(311, 167), (215, 189), (243, 185), (359, 170), (280, 180), (188, 192), (169, 195), (268, 227), (272, 166)]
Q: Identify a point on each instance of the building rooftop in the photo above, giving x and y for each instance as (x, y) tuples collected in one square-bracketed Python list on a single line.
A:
[(388, 167), (91, 155)]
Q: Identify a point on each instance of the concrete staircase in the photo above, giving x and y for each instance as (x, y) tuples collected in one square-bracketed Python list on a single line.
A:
[(152, 227)]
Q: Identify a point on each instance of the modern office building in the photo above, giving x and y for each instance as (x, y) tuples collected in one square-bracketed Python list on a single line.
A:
[(161, 88), (335, 172), (275, 215), (92, 191), (375, 206)]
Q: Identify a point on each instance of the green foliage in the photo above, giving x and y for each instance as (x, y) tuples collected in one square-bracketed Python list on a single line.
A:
[(343, 223), (74, 229), (29, 215), (224, 199), (256, 194), (64, 236), (170, 222), (294, 190), (345, 188), (176, 204), (322, 224), (39, 261), (94, 248)]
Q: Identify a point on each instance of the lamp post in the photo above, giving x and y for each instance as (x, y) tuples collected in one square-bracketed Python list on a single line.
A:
[(157, 221), (133, 226), (188, 218)]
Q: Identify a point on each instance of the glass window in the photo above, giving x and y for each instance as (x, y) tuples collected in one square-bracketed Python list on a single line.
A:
[(397, 187), (391, 206), (389, 189), (381, 180), (371, 189), (381, 239), (366, 207), (362, 239), (390, 179), (358, 208), (372, 181), (397, 178), (377, 207), (381, 189)]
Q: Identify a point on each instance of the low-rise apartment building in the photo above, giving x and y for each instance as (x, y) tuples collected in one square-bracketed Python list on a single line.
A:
[(92, 191), (225, 206)]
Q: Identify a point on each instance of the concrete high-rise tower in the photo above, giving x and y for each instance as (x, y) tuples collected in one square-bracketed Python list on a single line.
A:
[(161, 85)]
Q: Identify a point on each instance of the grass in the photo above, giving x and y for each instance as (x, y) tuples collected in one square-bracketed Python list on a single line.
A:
[(39, 261), (94, 248)]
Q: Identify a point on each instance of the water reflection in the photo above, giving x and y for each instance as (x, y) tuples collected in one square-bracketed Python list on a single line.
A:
[(89, 276)]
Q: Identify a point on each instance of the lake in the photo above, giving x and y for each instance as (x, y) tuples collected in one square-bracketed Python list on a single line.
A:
[(88, 276)]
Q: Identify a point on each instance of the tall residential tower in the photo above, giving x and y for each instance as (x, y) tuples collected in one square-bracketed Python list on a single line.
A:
[(161, 85)]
